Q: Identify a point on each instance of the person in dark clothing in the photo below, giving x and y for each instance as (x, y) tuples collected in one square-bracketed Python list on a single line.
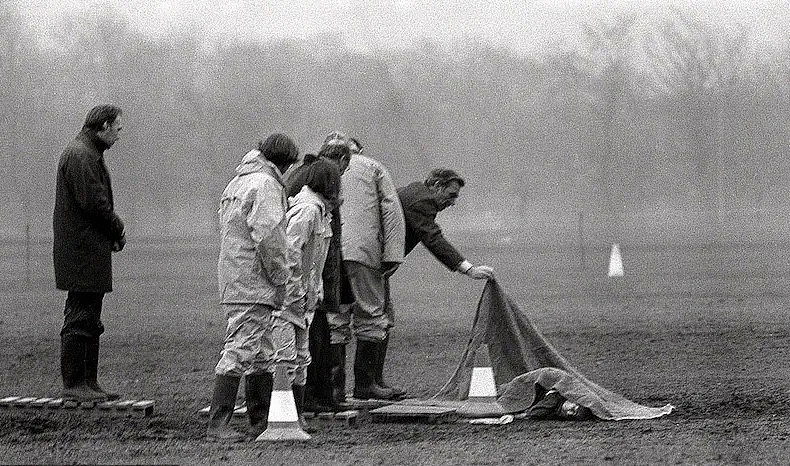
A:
[(421, 202), (319, 390), (86, 233)]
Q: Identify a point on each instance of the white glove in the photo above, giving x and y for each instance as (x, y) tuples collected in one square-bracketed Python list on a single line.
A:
[(480, 272)]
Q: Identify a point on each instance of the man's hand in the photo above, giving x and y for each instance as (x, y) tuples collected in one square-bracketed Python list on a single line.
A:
[(480, 272), (118, 245), (388, 268)]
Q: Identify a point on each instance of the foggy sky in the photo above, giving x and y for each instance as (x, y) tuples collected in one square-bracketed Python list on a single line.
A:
[(523, 26)]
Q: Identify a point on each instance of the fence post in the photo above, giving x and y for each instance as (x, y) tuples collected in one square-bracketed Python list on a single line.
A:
[(28, 256)]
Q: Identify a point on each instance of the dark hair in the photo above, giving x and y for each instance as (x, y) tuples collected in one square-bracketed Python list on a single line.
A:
[(335, 152), (279, 149), (443, 177), (99, 115), (320, 175)]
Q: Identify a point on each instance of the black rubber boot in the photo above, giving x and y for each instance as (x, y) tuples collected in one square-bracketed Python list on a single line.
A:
[(298, 392), (382, 356), (258, 392), (92, 368), (222, 404), (72, 369), (365, 362), (337, 356)]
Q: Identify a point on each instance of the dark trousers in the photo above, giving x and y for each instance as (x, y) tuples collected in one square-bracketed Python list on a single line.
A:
[(82, 315), (319, 372)]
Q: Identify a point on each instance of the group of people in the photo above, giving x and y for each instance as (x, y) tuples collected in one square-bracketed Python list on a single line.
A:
[(307, 249)]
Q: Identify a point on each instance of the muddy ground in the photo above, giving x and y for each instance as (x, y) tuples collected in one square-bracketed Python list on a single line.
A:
[(703, 328)]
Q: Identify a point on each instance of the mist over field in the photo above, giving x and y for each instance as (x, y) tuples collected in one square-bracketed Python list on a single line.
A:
[(668, 127)]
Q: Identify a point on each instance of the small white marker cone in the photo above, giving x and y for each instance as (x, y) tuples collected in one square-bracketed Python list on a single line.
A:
[(615, 262), (481, 400), (283, 420)]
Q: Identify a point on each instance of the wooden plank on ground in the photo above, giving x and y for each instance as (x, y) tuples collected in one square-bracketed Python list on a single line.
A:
[(23, 402), (356, 403), (144, 407), (55, 404), (40, 402), (7, 401), (413, 413)]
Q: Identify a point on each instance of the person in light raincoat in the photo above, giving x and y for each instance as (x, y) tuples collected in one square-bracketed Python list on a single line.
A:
[(309, 233), (252, 274)]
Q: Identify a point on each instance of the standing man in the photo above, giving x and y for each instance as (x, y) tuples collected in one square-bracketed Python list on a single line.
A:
[(86, 233), (252, 273), (421, 202), (372, 245)]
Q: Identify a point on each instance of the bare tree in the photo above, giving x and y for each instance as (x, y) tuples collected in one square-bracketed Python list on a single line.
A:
[(693, 68), (607, 61)]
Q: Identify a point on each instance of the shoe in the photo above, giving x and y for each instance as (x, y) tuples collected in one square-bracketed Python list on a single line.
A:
[(72, 371), (365, 362), (258, 392), (92, 368), (223, 403)]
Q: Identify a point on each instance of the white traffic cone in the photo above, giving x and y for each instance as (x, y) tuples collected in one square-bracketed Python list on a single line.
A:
[(283, 420), (481, 400), (615, 262)]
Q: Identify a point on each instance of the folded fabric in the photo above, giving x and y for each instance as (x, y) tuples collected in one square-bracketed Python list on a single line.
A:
[(526, 365)]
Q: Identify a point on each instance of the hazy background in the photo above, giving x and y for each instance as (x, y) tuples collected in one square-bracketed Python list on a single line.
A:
[(649, 122)]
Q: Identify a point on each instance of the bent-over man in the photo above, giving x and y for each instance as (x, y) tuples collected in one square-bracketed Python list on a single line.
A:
[(421, 202)]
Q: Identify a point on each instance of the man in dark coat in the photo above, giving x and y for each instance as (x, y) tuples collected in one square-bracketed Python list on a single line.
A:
[(421, 202), (86, 232)]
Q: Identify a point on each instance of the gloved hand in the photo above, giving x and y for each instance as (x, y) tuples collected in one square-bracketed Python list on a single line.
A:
[(388, 268), (480, 272), (118, 245)]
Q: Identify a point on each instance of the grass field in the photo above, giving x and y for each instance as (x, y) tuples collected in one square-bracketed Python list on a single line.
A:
[(703, 328)]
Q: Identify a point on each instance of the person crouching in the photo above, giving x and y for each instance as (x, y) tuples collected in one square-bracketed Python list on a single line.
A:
[(309, 233)]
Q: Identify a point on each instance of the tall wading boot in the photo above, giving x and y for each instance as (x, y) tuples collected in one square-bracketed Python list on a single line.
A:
[(258, 392), (365, 361), (222, 403), (382, 356), (92, 368), (337, 354), (72, 368), (298, 392)]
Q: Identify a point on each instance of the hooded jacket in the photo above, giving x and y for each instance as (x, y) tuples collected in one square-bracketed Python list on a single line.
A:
[(309, 233), (252, 264), (84, 221), (371, 215)]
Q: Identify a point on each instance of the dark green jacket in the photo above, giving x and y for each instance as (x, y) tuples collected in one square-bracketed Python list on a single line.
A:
[(84, 222), (420, 209)]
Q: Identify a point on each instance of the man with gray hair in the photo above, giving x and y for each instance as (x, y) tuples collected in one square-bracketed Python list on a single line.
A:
[(372, 245), (421, 202)]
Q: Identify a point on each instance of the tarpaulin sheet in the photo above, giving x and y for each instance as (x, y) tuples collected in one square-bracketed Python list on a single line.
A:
[(525, 365)]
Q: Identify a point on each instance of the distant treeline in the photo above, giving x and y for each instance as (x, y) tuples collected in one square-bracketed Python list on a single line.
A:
[(671, 131)]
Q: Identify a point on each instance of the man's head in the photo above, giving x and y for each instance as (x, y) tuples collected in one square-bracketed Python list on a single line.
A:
[(280, 150), (337, 153), (335, 137), (105, 120), (445, 184)]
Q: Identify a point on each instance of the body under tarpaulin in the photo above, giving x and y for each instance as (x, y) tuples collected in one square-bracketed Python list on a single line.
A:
[(525, 365)]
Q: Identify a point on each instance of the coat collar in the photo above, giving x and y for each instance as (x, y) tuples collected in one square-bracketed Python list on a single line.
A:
[(90, 138), (253, 162), (308, 196)]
